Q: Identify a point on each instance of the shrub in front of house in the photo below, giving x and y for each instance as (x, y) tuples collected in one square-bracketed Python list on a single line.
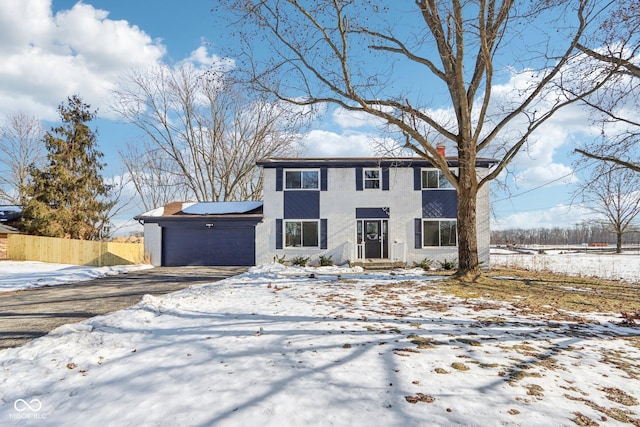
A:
[(425, 264), (448, 264), (326, 261), (300, 260)]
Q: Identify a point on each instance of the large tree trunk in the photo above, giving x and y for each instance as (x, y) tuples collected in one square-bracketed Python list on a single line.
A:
[(619, 241), (468, 264)]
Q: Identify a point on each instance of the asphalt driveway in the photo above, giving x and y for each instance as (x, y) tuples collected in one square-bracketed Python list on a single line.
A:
[(31, 313)]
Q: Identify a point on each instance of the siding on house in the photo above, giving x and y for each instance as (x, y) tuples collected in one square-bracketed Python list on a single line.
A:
[(153, 243)]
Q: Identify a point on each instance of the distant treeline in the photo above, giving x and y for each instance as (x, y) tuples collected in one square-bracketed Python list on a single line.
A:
[(578, 235)]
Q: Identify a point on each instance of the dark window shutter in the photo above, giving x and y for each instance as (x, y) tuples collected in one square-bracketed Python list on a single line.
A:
[(417, 178), (418, 233), (385, 179), (359, 186), (301, 204), (278, 234), (323, 179), (323, 233), (278, 179)]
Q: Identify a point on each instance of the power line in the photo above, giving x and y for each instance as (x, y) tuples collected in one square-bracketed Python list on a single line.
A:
[(512, 196)]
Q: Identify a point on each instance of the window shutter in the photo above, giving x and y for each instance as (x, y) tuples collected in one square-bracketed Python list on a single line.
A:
[(385, 179), (278, 233), (359, 186), (278, 179), (417, 178), (323, 233), (323, 179), (418, 233)]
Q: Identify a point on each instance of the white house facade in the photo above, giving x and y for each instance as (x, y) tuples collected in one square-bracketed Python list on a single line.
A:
[(361, 209)]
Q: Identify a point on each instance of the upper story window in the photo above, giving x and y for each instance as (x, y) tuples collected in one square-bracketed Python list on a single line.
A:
[(371, 178), (434, 178), (302, 180)]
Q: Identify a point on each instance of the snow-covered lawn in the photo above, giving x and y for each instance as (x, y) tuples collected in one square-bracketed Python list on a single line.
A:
[(275, 347), (16, 275), (625, 267)]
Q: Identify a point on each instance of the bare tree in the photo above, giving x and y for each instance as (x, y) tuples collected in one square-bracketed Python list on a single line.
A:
[(21, 145), (615, 108), (203, 134), (614, 194), (615, 157), (154, 176), (359, 55)]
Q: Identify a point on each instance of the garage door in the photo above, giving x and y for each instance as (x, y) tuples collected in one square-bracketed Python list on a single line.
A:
[(231, 246)]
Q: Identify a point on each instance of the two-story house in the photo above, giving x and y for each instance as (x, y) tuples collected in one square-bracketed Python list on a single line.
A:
[(357, 209), (401, 210)]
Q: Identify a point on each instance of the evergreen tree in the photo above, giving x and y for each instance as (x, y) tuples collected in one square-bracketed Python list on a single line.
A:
[(68, 197)]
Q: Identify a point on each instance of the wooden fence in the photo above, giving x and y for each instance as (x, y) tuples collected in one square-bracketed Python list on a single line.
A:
[(77, 252)]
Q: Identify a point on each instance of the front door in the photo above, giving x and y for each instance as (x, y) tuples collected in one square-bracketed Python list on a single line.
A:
[(372, 239), (373, 236)]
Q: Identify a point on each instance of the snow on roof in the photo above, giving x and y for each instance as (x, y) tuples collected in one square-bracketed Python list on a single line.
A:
[(201, 208), (220, 208), (154, 212)]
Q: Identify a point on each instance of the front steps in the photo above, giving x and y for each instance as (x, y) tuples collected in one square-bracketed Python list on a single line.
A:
[(378, 264)]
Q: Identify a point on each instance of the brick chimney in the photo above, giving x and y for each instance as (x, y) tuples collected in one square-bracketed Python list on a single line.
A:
[(440, 148)]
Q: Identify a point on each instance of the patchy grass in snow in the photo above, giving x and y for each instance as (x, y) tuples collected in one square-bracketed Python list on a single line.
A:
[(511, 348), (548, 292)]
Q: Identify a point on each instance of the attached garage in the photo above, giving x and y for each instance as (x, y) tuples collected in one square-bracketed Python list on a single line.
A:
[(203, 234)]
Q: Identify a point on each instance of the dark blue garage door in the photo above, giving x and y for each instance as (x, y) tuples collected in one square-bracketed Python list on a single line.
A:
[(224, 246)]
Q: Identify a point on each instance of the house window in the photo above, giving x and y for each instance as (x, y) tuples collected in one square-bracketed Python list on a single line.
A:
[(371, 178), (302, 180), (439, 233), (434, 178), (301, 234)]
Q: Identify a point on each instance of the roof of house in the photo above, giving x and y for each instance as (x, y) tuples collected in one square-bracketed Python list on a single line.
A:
[(5, 229), (209, 209), (9, 213), (349, 162)]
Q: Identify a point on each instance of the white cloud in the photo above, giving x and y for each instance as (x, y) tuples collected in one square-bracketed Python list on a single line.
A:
[(354, 119), (319, 143), (557, 216), (551, 174), (44, 58), (543, 159), (201, 59)]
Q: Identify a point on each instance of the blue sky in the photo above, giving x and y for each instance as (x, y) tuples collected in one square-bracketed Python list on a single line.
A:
[(50, 49)]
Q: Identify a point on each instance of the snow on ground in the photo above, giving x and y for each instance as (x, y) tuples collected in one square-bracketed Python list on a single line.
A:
[(17, 275), (276, 347), (625, 266)]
